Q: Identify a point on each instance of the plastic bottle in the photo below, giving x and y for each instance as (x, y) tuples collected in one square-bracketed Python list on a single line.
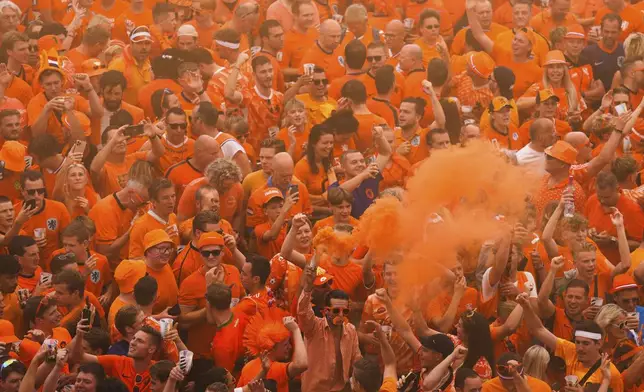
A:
[(569, 207)]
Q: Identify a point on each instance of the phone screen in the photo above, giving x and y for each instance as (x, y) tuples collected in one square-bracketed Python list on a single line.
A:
[(30, 204), (133, 130)]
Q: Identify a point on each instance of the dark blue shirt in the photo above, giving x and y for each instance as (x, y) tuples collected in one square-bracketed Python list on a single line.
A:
[(604, 64), (119, 348), (364, 195)]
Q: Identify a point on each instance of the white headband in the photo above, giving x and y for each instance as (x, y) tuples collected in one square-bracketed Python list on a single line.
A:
[(589, 335), (229, 45), (140, 34)]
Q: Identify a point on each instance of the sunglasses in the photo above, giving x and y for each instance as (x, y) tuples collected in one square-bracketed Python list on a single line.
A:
[(506, 370), (432, 26), (177, 126), (207, 253), (371, 59), (337, 311), (40, 191), (320, 82), (621, 325)]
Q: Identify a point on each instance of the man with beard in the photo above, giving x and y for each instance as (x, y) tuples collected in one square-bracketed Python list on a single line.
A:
[(607, 55), (272, 35), (112, 87), (558, 15), (94, 43), (10, 125), (135, 63)]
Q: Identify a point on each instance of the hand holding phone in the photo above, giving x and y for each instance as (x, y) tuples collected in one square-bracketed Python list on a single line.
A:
[(133, 130)]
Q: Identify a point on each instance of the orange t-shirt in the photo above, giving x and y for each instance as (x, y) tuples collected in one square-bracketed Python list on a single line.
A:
[(503, 14), (175, 153), (54, 127), (277, 372), (181, 174), (168, 296), (114, 176), (429, 51), (534, 385), (145, 93), (458, 44), (419, 149), (117, 8), (53, 218), (127, 21), (336, 85), (112, 221), (301, 140), (230, 202), (296, 45), (515, 139), (413, 84), (145, 224), (117, 304), (58, 8), (332, 63), (10, 186), (20, 90), (539, 48), (227, 343), (316, 183), (364, 140), (384, 109), (72, 316), (77, 58), (205, 39), (395, 97), (270, 248), (631, 20), (121, 367), (347, 278), (395, 173), (329, 221), (29, 282), (543, 23)]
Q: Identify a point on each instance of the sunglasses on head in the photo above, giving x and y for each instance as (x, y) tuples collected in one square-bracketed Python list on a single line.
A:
[(337, 311), (177, 126), (320, 82), (40, 191), (208, 253), (371, 59)]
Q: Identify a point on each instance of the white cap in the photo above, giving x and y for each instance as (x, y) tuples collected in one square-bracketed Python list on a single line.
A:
[(187, 30)]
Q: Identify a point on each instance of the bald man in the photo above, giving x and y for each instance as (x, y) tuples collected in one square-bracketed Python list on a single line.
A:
[(245, 17), (410, 62), (282, 179), (589, 166), (326, 53), (395, 39), (542, 136), (469, 132), (206, 150)]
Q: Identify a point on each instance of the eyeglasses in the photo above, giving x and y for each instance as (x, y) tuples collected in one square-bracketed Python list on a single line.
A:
[(207, 253), (371, 59), (337, 311), (177, 126), (432, 26), (320, 82), (40, 191), (164, 251)]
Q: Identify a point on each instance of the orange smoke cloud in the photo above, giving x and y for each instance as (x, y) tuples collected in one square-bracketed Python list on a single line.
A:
[(452, 206)]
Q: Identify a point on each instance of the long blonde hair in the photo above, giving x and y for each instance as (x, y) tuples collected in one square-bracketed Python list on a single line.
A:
[(535, 362), (607, 314)]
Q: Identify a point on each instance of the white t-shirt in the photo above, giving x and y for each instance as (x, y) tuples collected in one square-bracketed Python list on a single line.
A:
[(230, 147), (532, 159), (488, 291)]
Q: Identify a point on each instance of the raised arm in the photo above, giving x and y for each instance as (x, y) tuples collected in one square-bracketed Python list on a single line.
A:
[(230, 89), (500, 260), (446, 322), (299, 363), (382, 146), (547, 237), (535, 326), (623, 126), (154, 137), (387, 353), (276, 227), (545, 307), (432, 380), (28, 383), (400, 325), (622, 243), (475, 26), (288, 246), (99, 161)]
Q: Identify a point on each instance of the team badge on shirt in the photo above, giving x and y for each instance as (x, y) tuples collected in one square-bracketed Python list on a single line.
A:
[(95, 276), (341, 60), (279, 56), (415, 141), (515, 136), (52, 224)]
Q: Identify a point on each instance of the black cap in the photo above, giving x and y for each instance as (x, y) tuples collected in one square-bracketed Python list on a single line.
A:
[(440, 343)]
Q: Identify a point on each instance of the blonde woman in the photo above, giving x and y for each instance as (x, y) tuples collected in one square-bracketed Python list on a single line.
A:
[(73, 189), (535, 362)]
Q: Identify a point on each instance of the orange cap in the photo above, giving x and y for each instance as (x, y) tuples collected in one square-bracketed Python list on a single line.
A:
[(127, 273), (322, 277), (623, 282), (554, 57), (210, 238), (499, 103), (562, 151), (270, 194), (546, 94), (13, 154), (82, 119), (7, 332), (154, 238), (481, 64), (93, 67), (48, 42), (575, 32)]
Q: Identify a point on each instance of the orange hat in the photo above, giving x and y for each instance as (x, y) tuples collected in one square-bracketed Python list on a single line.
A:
[(499, 103), (141, 33), (93, 67), (555, 57), (155, 237), (623, 282), (265, 330), (562, 151), (528, 33), (13, 155), (47, 42), (127, 273), (270, 194), (7, 332), (546, 94), (322, 277), (210, 238), (575, 32), (481, 64), (82, 119)]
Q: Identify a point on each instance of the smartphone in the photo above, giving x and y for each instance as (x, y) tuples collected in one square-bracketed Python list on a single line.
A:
[(79, 146), (30, 204), (293, 189), (86, 313), (175, 310), (2, 169), (621, 109), (133, 130)]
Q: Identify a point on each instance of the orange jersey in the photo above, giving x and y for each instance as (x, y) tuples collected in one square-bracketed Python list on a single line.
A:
[(29, 282), (336, 85), (112, 221), (429, 51), (296, 45), (395, 173), (419, 149), (413, 84), (514, 139), (332, 63), (168, 296), (395, 97), (227, 343), (631, 20), (53, 218), (539, 48), (468, 94), (255, 212), (547, 193), (20, 90), (145, 93), (263, 113), (175, 153), (77, 57), (58, 8), (181, 174), (269, 248), (113, 12), (412, 9), (277, 372), (98, 278), (364, 140), (458, 44), (146, 223), (10, 186), (384, 109), (316, 183), (36, 107), (301, 140), (230, 202), (543, 23), (347, 278), (503, 15), (123, 368), (114, 176)]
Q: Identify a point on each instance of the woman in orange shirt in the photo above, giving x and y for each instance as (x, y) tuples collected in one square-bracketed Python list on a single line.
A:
[(163, 100), (313, 170), (341, 201), (73, 189), (295, 133)]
